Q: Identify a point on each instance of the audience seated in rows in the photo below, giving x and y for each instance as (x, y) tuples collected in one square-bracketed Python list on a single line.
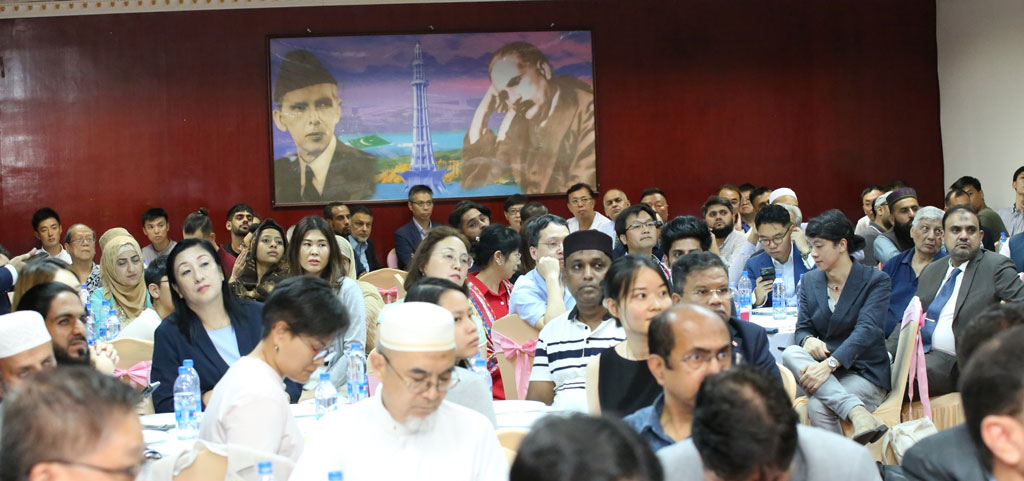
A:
[(903, 206), (569, 341), (580, 200)]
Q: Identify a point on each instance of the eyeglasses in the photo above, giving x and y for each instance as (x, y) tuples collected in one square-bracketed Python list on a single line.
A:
[(580, 200), (645, 226), (722, 292), (464, 260), (552, 244), (445, 381), (83, 241), (131, 472), (514, 212), (326, 353), (697, 360), (777, 240), (423, 203)]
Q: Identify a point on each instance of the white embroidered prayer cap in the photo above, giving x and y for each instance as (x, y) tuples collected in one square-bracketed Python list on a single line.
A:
[(21, 331), (417, 327)]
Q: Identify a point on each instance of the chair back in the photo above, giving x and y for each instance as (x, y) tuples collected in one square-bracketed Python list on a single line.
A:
[(392, 259), (388, 281), (516, 329), (788, 382), (207, 465), (132, 351), (889, 411)]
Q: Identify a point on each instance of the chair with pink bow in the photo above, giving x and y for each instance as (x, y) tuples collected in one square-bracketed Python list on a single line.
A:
[(388, 281), (515, 343), (136, 357)]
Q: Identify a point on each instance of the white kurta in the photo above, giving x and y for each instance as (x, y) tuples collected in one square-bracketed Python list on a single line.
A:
[(249, 407), (365, 443)]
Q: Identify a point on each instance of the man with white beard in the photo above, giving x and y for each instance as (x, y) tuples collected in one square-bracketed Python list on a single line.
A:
[(407, 431)]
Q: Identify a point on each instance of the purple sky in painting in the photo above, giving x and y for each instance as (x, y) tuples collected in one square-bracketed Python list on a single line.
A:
[(375, 71)]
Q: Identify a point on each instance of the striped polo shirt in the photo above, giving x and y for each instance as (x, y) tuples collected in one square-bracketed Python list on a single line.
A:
[(564, 349)]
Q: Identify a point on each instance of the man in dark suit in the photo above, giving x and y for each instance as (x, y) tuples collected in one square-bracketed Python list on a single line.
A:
[(950, 455), (408, 237), (775, 233), (956, 291), (322, 168), (701, 278), (362, 246)]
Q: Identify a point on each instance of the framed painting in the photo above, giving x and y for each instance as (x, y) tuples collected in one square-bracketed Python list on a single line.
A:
[(365, 118)]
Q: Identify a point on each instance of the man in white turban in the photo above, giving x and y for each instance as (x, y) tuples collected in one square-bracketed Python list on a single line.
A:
[(25, 349), (407, 431)]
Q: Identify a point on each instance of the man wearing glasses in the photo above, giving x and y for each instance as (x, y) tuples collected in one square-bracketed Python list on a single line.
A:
[(80, 242), (637, 228), (407, 431), (688, 342), (580, 198), (540, 295), (701, 278), (73, 423), (905, 268), (774, 232), (408, 237)]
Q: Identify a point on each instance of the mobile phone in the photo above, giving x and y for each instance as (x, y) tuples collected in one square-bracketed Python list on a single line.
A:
[(771, 330), (767, 273), (148, 391)]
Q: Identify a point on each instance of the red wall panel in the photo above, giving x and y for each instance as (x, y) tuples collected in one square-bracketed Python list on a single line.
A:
[(104, 116)]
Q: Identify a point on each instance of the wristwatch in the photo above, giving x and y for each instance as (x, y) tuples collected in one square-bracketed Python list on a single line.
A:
[(832, 363)]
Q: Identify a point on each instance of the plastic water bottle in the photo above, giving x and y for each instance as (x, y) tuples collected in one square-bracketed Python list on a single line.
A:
[(101, 329), (779, 299), (744, 290), (480, 368), (799, 285), (325, 395), (335, 476), (90, 324), (113, 325), (83, 294), (185, 406), (1002, 241), (196, 388), (358, 387), (266, 471)]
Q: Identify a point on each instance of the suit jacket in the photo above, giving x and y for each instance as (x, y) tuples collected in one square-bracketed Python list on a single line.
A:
[(949, 455), (6, 285), (352, 175), (989, 278), (754, 265), (854, 331), (371, 258), (751, 342), (407, 239), (170, 348)]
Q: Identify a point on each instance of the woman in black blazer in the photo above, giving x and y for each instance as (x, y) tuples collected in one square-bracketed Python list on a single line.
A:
[(202, 303), (840, 358)]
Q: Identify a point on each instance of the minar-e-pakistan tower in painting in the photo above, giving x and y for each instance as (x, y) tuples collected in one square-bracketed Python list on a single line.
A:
[(422, 168)]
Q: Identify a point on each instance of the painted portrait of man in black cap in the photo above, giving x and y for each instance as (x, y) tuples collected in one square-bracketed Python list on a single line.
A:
[(322, 169)]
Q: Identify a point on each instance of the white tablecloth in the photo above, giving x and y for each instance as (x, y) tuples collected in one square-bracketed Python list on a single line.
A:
[(781, 339)]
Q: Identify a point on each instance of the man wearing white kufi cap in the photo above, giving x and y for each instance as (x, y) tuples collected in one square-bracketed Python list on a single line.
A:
[(407, 431), (783, 195), (25, 348)]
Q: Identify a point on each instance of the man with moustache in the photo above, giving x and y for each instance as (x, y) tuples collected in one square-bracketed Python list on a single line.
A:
[(239, 219), (877, 227), (546, 139), (339, 218), (571, 340), (614, 201), (25, 348), (905, 268), (306, 105), (902, 207), (64, 314), (719, 215), (955, 291)]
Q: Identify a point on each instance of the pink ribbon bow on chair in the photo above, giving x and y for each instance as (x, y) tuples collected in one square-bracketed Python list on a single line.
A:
[(918, 368), (521, 354), (137, 375), (389, 295)]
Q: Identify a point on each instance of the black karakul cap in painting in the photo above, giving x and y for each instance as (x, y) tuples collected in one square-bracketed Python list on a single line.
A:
[(300, 69)]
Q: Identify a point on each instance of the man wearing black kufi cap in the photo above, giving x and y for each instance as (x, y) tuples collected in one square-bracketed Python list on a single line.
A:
[(306, 105)]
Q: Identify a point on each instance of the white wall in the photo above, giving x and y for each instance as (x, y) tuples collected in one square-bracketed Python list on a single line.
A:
[(981, 92)]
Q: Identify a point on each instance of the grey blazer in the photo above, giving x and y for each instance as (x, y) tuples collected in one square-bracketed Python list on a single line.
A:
[(949, 455), (854, 332)]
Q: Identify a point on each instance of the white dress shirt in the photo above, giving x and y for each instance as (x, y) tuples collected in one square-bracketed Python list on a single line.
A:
[(365, 443), (942, 337), (600, 223)]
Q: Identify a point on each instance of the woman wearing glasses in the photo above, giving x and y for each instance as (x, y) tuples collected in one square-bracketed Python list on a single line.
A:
[(313, 250), (840, 358), (618, 380), (209, 325), (249, 406)]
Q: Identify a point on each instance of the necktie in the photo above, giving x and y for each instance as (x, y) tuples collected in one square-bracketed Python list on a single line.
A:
[(931, 318), (309, 193)]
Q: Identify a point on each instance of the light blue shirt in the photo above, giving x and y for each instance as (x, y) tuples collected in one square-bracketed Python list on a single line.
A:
[(529, 298), (885, 249), (226, 343), (360, 252)]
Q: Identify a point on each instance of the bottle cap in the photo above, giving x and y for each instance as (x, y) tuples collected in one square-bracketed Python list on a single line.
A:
[(334, 476), (266, 467), (325, 376), (187, 363), (182, 369)]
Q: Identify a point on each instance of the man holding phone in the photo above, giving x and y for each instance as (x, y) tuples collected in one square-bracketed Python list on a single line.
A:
[(781, 256)]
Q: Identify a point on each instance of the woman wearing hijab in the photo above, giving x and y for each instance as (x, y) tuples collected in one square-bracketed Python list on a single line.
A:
[(264, 265), (123, 275)]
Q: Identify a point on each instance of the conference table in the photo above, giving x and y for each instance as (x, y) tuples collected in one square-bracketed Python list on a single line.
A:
[(780, 332)]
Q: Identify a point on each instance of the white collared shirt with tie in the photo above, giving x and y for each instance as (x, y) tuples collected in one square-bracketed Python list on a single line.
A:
[(942, 337)]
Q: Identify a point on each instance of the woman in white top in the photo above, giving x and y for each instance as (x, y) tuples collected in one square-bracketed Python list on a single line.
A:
[(249, 406), (313, 251)]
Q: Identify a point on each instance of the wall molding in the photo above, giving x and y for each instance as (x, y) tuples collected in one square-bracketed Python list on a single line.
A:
[(64, 8)]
